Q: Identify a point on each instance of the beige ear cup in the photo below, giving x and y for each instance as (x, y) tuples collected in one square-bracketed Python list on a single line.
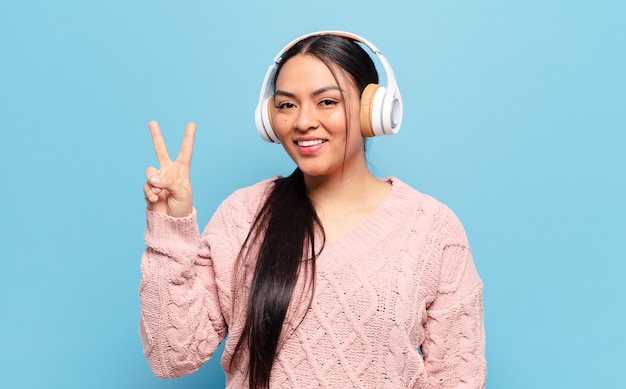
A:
[(365, 116)]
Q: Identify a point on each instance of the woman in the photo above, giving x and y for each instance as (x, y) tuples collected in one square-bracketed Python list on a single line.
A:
[(328, 278)]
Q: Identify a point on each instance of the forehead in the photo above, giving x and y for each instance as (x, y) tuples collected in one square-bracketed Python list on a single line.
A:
[(307, 69)]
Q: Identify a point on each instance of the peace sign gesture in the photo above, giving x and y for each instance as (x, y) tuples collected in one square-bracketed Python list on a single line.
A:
[(168, 189)]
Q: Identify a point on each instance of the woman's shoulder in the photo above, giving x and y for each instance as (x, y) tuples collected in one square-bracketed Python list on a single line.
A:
[(438, 212), (241, 206), (256, 190), (404, 192), (248, 198)]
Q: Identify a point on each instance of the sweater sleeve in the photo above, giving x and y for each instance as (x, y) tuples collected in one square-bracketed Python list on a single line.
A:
[(454, 348), (178, 293)]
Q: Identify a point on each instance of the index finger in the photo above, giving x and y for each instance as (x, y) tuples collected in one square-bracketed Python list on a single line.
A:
[(186, 149), (159, 144)]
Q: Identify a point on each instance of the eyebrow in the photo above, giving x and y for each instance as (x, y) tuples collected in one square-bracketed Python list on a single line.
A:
[(315, 92)]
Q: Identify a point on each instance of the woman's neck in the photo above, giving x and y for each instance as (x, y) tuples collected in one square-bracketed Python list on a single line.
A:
[(348, 187), (345, 202)]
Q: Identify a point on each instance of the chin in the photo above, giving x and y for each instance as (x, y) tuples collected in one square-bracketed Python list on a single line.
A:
[(314, 171), (325, 176)]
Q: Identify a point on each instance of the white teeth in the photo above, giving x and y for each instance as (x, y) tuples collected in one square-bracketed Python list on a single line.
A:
[(314, 142)]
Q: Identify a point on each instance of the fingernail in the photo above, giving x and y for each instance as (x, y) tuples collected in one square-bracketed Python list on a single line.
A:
[(155, 179)]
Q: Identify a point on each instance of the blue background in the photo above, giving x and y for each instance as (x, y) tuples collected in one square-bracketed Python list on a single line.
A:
[(515, 116)]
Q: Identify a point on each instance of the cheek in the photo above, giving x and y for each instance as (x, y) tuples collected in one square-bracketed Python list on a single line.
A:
[(335, 122), (281, 126)]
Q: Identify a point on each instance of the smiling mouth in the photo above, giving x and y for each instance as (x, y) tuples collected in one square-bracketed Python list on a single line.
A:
[(306, 143)]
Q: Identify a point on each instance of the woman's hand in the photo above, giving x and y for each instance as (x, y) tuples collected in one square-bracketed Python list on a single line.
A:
[(168, 189)]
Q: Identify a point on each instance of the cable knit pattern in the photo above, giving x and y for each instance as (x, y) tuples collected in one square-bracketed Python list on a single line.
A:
[(397, 304)]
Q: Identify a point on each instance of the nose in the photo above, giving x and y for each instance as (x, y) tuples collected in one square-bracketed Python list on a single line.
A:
[(307, 118)]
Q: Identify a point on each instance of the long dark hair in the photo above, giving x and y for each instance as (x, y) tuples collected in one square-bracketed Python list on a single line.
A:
[(286, 225)]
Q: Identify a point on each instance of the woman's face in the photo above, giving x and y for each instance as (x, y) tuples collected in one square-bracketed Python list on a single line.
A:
[(310, 118)]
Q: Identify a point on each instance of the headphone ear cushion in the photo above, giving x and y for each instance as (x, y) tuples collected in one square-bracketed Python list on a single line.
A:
[(263, 119), (367, 108)]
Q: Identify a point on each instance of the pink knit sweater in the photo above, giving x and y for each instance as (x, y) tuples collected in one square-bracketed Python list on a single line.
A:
[(401, 283)]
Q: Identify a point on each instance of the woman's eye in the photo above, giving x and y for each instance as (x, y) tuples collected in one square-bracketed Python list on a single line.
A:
[(284, 105), (328, 102)]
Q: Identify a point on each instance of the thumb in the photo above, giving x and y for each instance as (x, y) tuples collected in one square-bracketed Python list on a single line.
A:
[(176, 189), (164, 182)]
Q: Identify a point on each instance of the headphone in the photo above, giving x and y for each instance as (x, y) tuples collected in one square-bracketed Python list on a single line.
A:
[(381, 108)]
